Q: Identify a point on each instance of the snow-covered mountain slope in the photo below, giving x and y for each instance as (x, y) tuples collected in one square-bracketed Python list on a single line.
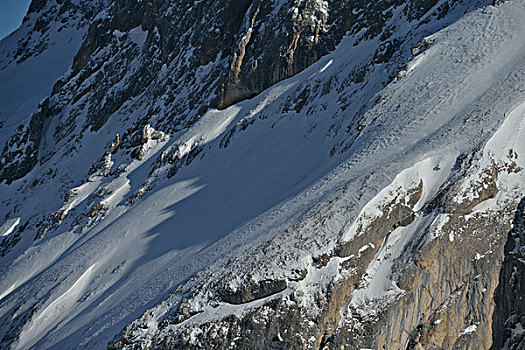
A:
[(375, 178)]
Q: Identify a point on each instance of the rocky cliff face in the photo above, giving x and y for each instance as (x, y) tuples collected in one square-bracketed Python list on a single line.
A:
[(263, 174), (179, 60), (508, 314)]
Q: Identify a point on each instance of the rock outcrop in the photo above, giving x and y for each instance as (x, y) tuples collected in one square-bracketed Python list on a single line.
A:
[(184, 59), (509, 313)]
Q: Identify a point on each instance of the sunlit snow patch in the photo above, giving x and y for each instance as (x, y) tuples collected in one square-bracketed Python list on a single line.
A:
[(8, 227)]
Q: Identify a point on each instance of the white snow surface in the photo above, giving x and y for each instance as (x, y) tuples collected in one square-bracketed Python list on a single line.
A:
[(86, 282), (8, 227), (470, 329)]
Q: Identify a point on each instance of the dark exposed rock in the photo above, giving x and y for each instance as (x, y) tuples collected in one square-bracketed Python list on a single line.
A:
[(252, 290), (114, 145), (9, 242), (509, 314), (238, 48), (20, 153), (262, 47)]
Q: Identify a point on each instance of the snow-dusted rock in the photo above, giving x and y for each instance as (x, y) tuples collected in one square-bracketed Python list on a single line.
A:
[(262, 174)]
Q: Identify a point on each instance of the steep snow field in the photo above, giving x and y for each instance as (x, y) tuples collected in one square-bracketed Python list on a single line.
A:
[(23, 86), (80, 285)]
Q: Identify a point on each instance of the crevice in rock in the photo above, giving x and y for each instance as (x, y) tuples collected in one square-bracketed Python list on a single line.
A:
[(509, 314)]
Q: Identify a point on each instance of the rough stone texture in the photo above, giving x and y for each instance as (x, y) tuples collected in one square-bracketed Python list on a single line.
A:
[(283, 323), (200, 55), (20, 153), (449, 279), (252, 291), (509, 315), (446, 283)]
